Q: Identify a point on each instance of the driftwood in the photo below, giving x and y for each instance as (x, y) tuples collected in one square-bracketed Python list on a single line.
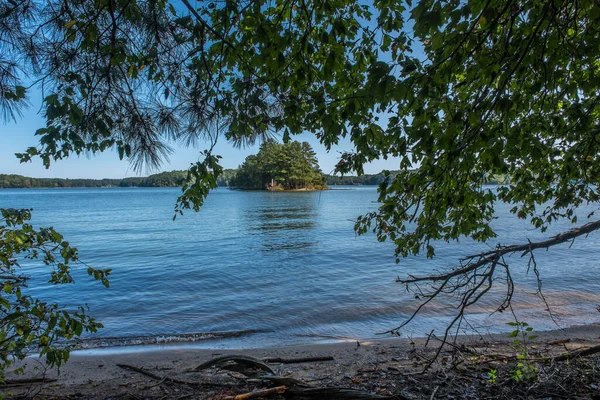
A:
[(258, 393), (246, 365), (141, 371), (296, 360), (244, 361), (332, 393), (14, 382)]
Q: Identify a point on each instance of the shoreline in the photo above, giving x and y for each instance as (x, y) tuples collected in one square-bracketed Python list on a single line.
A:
[(95, 374), (247, 340)]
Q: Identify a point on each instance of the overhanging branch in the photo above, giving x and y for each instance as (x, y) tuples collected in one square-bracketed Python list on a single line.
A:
[(500, 251), (471, 281)]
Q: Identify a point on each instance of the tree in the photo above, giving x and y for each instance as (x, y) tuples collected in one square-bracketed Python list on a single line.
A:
[(457, 90), (288, 166), (26, 323)]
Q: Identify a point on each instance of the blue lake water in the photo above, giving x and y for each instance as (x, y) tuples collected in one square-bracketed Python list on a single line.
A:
[(276, 268)]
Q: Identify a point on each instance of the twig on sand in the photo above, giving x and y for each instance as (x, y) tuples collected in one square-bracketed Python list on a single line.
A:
[(8, 382), (258, 393), (141, 371), (296, 360), (162, 379), (434, 392)]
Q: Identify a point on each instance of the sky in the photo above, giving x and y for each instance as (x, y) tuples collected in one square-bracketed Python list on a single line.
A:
[(16, 137)]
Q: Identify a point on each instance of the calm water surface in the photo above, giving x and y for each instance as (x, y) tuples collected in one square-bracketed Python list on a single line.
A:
[(277, 268)]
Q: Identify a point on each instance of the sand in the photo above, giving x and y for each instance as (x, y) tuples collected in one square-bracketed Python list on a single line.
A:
[(380, 366)]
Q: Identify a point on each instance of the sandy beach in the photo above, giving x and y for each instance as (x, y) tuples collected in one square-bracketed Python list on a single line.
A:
[(387, 367)]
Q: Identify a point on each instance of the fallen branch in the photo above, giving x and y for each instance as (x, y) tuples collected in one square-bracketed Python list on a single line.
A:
[(258, 393), (487, 257), (561, 357), (296, 360), (141, 371), (162, 379), (335, 393), (27, 381), (577, 353)]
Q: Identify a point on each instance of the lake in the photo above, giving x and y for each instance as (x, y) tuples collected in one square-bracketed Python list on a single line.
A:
[(257, 268)]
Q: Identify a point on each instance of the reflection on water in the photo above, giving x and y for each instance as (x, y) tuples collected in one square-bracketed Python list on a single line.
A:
[(287, 246), (274, 226), (281, 227), (262, 213)]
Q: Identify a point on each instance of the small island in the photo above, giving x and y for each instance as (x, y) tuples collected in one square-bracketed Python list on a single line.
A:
[(291, 166)]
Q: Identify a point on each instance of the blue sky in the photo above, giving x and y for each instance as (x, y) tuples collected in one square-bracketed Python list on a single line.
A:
[(17, 137)]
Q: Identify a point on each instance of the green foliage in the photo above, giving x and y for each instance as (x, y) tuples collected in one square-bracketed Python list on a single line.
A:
[(365, 179), (200, 179), (19, 181), (493, 376), (287, 166), (163, 179), (28, 324), (525, 370), (226, 178), (170, 179)]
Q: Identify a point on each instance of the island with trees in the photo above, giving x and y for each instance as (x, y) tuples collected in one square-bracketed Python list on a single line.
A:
[(286, 166)]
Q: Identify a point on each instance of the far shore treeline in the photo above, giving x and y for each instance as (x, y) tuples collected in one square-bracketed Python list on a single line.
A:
[(276, 166), (171, 179)]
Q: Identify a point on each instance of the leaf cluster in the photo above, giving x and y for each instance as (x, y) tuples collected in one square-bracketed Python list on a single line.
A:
[(28, 324)]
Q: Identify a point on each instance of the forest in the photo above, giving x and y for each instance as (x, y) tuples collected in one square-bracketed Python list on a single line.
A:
[(162, 179)]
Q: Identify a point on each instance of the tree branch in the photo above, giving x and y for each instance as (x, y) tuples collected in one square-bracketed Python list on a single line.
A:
[(187, 4), (490, 256)]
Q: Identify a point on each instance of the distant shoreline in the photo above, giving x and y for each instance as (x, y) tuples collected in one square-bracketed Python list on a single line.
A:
[(166, 179)]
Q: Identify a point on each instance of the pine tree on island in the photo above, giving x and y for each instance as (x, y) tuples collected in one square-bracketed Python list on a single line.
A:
[(286, 166)]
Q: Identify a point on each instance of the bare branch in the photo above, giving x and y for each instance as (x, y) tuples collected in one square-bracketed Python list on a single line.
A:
[(492, 255)]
